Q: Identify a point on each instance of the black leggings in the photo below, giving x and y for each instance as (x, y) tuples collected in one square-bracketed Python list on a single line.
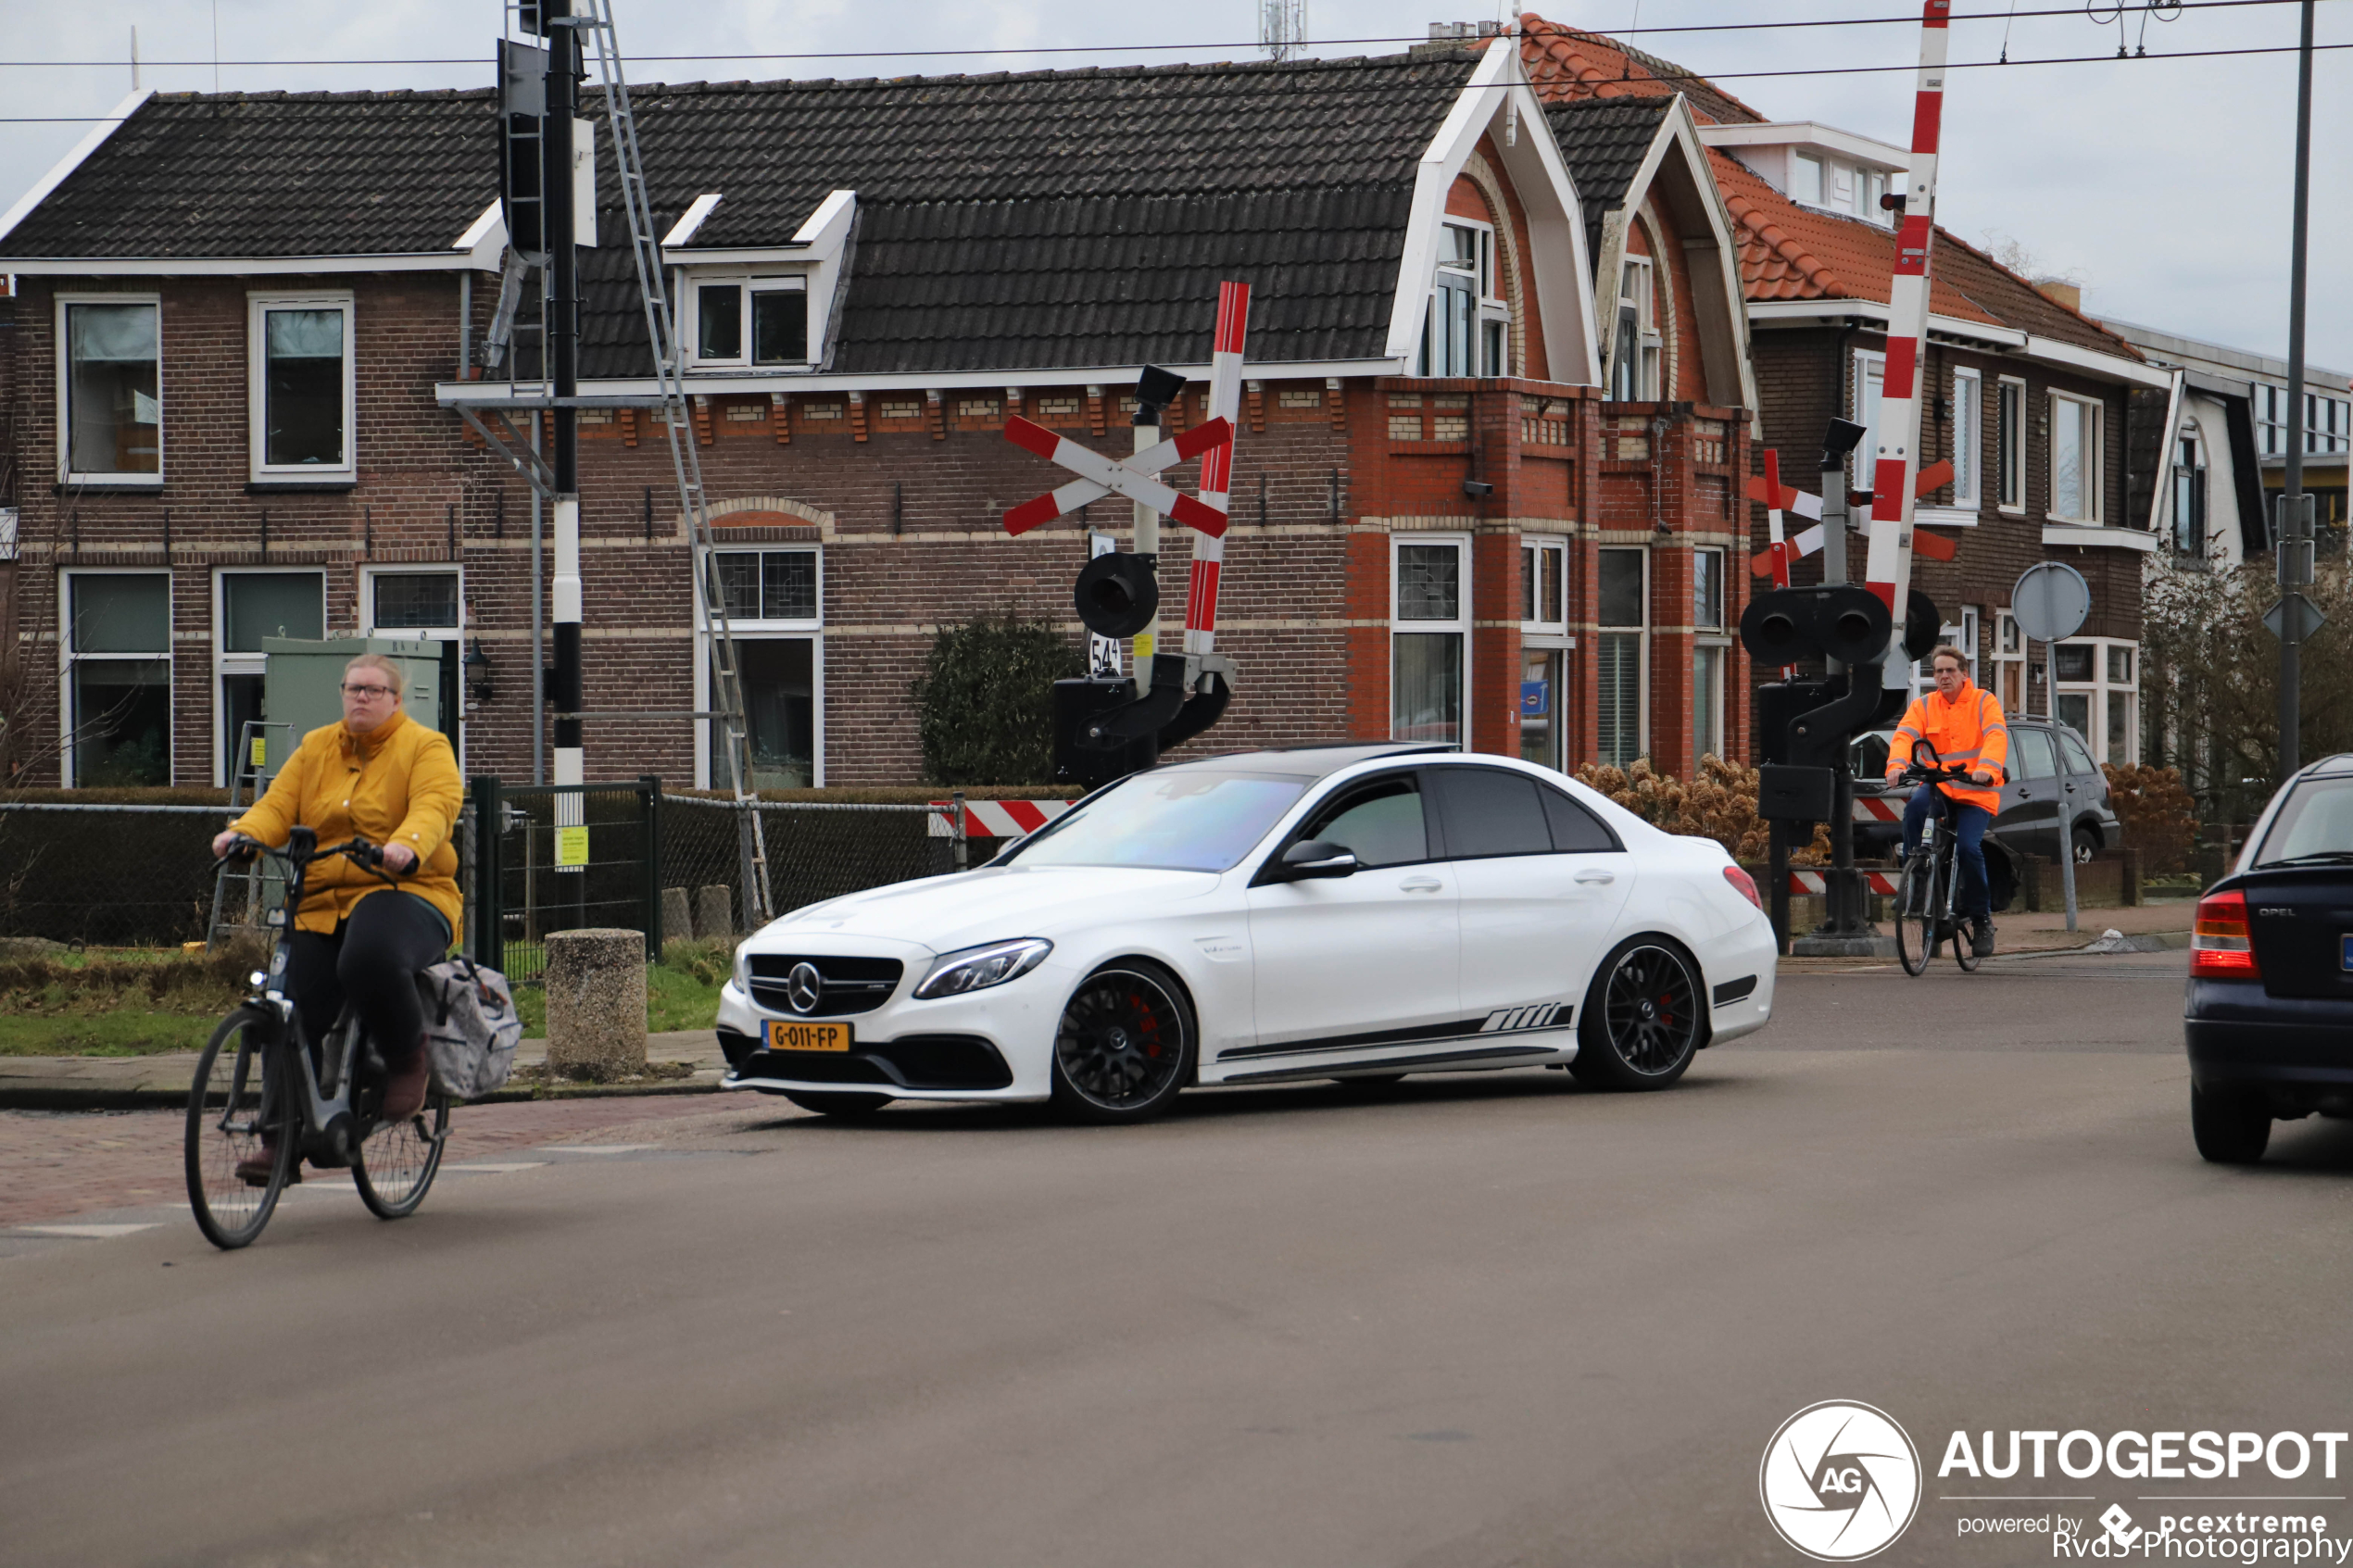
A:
[(372, 958)]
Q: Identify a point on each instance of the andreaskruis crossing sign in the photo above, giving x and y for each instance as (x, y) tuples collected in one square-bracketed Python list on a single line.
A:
[(1132, 478)]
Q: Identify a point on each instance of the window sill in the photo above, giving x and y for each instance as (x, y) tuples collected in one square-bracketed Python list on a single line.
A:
[(299, 486), (2094, 534), (1945, 516), (108, 486)]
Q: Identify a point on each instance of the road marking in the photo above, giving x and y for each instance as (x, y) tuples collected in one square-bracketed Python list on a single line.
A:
[(599, 1148), (87, 1233), (499, 1168)]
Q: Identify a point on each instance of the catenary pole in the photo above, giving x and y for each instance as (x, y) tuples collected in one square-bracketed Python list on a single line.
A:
[(564, 346), (2291, 546), (1887, 570)]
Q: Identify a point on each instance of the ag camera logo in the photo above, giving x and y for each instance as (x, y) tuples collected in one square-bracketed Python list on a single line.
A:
[(1839, 1481)]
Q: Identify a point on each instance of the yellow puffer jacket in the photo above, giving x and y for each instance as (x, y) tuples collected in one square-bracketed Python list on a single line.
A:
[(397, 784)]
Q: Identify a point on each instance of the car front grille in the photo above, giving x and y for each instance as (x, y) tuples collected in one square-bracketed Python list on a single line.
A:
[(846, 985)]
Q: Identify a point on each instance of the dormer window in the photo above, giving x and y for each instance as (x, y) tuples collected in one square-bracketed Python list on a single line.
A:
[(751, 321), (1635, 352), (1468, 328), (1805, 178)]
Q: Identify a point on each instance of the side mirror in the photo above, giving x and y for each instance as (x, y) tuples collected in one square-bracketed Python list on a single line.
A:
[(1302, 862)]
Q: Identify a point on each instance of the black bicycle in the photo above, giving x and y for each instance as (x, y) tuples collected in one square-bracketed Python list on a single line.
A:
[(263, 1099), (1925, 914)]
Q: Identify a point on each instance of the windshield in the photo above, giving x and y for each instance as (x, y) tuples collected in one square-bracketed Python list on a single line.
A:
[(2315, 819), (1186, 820)]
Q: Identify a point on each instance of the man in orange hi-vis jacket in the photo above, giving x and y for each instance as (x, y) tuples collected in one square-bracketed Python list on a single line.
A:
[(1965, 725)]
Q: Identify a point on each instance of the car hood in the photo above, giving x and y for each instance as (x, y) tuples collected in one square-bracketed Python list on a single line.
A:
[(943, 913)]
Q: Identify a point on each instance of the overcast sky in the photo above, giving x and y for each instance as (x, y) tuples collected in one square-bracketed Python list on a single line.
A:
[(2162, 185)]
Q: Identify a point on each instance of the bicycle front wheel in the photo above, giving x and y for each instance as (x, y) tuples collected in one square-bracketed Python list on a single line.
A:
[(241, 1145), (1917, 909), (396, 1163)]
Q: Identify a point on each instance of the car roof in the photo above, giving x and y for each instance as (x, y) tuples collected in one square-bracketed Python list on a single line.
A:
[(2330, 767), (1313, 761)]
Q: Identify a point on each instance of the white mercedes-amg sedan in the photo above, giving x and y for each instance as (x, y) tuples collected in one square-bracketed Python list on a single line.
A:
[(1356, 912)]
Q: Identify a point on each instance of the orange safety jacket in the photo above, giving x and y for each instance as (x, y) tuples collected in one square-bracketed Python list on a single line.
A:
[(1968, 732)]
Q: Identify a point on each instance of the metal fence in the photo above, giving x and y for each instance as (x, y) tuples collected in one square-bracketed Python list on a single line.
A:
[(816, 850), (140, 875)]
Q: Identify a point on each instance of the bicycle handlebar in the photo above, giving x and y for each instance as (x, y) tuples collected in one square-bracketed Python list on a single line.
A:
[(361, 853)]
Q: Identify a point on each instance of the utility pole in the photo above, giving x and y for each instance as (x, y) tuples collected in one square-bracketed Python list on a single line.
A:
[(2292, 545), (563, 351)]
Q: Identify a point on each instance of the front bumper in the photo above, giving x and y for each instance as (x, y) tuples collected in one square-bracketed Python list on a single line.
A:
[(992, 1045), (2299, 1050)]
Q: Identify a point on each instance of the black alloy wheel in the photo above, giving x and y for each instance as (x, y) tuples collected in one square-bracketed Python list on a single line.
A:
[(1124, 1046), (1643, 1018), (2232, 1126)]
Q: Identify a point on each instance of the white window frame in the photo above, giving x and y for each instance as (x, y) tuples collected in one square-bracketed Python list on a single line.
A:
[(1458, 628), (1642, 634), (2007, 632), (2193, 476), (2094, 455), (69, 763), (749, 283), (811, 630), (1821, 178), (65, 472), (368, 628), (258, 306), (2009, 445), (1532, 548), (1648, 364), (2270, 419), (2102, 692), (1968, 415), (1486, 302), (1871, 371), (225, 664)]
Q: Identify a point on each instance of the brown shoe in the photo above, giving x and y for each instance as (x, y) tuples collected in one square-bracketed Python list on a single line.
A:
[(405, 1087), (254, 1169)]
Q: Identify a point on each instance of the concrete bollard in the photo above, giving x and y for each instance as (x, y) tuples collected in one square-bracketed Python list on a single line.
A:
[(677, 919), (596, 981), (714, 911)]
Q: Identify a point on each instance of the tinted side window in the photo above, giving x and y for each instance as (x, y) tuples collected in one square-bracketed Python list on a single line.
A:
[(2033, 748), (2078, 760), (1573, 828), (1382, 823), (1489, 812)]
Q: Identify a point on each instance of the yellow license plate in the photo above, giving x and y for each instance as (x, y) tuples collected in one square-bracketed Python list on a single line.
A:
[(784, 1037)]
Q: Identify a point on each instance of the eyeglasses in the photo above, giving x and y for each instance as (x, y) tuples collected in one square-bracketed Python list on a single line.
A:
[(349, 690)]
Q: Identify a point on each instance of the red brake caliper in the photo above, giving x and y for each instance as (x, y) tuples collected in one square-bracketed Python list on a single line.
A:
[(1148, 1025)]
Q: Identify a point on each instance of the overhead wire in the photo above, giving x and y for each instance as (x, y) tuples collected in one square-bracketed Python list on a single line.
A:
[(903, 52)]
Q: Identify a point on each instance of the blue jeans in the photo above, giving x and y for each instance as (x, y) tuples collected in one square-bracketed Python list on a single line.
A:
[(1969, 835)]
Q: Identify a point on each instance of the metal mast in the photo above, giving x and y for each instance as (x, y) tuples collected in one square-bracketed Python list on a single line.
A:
[(645, 246)]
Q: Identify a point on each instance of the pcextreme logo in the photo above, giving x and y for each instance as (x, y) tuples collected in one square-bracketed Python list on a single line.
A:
[(1840, 1480)]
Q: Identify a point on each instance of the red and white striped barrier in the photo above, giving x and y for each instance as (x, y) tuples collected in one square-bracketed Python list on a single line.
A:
[(1217, 468), (1811, 882), (1878, 808), (995, 819), (1888, 567), (1132, 477)]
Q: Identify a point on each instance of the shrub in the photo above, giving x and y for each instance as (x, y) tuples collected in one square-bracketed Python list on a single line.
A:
[(2158, 815), (983, 703), (1721, 804)]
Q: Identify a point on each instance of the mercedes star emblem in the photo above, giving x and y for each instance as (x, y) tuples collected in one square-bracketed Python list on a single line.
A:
[(803, 986)]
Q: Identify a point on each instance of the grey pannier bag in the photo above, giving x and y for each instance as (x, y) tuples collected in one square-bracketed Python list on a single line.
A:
[(470, 1027)]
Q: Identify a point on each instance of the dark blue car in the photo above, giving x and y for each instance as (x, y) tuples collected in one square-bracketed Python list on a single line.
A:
[(2270, 1012)]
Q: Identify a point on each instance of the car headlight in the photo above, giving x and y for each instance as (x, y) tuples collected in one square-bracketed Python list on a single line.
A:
[(974, 969), (743, 969)]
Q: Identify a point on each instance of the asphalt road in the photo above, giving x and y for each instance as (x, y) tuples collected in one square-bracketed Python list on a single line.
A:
[(1489, 1320)]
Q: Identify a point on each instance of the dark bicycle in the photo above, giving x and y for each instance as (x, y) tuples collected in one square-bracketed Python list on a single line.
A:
[(1925, 916), (262, 1092)]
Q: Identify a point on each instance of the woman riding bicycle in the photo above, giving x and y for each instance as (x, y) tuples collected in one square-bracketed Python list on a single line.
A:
[(381, 776), (1965, 724)]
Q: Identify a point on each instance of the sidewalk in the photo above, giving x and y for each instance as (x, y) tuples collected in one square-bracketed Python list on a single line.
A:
[(2017, 933), (130, 1083)]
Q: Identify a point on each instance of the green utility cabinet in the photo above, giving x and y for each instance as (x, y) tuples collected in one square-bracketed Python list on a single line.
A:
[(299, 683)]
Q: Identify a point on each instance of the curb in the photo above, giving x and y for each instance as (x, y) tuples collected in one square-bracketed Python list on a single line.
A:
[(35, 1097)]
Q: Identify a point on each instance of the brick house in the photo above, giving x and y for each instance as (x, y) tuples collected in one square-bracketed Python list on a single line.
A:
[(248, 321), (2056, 426)]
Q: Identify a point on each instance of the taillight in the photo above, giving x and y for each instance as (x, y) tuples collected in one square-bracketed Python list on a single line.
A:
[(2219, 945), (1743, 884)]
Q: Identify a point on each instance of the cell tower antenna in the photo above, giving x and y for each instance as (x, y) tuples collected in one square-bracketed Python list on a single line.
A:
[(1282, 28)]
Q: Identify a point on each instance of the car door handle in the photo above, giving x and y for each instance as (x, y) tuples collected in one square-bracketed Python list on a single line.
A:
[(1420, 884), (1595, 876)]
